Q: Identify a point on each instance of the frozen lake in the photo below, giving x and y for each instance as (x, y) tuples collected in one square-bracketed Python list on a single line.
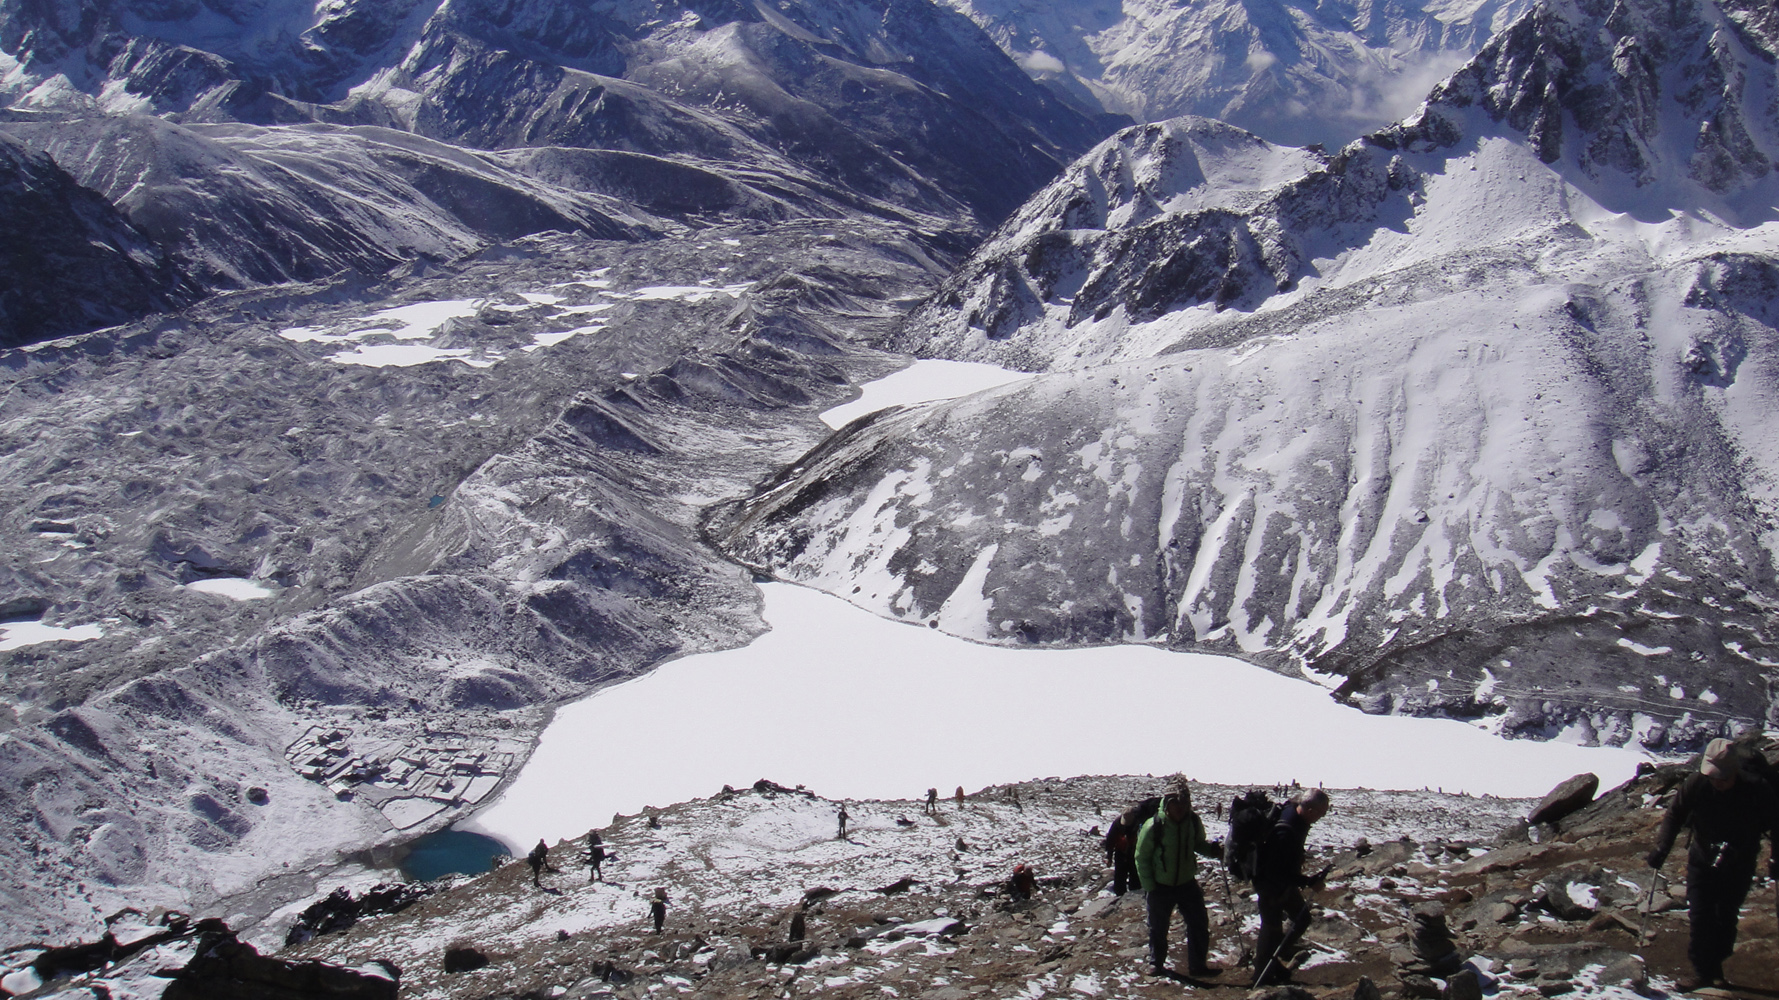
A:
[(856, 706)]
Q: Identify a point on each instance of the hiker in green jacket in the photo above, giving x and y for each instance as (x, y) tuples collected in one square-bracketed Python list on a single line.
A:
[(1168, 847)]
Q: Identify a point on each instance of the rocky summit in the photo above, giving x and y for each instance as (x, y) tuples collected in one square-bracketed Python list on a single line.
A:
[(1430, 896)]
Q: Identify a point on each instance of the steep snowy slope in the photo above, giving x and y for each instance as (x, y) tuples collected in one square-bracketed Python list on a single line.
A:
[(1468, 418), (1293, 72)]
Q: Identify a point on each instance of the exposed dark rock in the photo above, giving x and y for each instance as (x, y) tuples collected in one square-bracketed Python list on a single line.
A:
[(463, 958), (226, 969), (1565, 799), (342, 909)]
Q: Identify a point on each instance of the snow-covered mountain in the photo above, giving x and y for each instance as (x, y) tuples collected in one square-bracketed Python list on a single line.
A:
[(501, 295), (278, 140), (1293, 72), (1468, 418)]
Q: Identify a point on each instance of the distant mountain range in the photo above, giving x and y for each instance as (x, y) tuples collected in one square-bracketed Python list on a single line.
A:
[(1292, 72)]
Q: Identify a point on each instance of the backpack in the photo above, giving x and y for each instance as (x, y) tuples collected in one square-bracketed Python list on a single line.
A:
[(1252, 817)]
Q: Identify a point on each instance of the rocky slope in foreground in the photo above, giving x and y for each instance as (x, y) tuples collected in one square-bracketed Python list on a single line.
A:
[(1469, 418), (915, 905)]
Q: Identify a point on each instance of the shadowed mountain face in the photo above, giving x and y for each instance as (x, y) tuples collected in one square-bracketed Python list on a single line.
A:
[(72, 262), (1468, 418)]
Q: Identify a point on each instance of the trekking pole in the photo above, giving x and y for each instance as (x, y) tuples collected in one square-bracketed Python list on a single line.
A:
[(1284, 937), (1643, 911), (1298, 922)]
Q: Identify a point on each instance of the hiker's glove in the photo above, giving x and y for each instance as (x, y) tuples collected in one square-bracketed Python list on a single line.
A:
[(1656, 857)]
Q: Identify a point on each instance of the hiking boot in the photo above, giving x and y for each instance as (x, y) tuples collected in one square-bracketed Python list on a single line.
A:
[(1156, 969)]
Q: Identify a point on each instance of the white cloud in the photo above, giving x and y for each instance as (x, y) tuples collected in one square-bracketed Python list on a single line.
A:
[(1042, 62)]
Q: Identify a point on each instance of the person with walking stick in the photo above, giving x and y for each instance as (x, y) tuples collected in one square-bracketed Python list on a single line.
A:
[(1279, 882), (1168, 847), (1728, 808)]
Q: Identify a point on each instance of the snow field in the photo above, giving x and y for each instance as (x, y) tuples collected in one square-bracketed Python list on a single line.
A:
[(413, 326), (855, 706), (13, 635), (921, 382)]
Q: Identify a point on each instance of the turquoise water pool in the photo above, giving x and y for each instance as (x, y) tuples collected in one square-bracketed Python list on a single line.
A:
[(451, 852)]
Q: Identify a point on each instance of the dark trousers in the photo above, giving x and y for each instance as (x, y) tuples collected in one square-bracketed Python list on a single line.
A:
[(1124, 871), (1714, 899), (1277, 906), (1189, 899)]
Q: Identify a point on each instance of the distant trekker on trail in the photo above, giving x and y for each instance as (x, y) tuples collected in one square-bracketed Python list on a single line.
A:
[(932, 801), (1728, 808), (595, 856), (842, 817), (658, 908), (1279, 882), (537, 857), (1167, 852), (958, 796)]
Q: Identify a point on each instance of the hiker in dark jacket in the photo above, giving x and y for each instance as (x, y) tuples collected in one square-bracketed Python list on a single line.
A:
[(536, 859), (658, 908), (1121, 844), (1168, 847), (1728, 808), (1279, 882), (595, 856)]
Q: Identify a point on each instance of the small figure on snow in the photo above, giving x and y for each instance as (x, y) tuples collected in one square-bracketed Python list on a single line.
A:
[(932, 801), (658, 908), (843, 818)]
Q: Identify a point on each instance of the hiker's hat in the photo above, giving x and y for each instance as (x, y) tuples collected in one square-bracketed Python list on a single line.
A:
[(1719, 760)]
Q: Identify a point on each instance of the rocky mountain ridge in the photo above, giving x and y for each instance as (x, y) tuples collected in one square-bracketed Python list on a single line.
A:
[(1459, 420)]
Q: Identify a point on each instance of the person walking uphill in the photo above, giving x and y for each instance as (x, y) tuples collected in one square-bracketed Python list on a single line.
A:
[(536, 859), (1168, 848), (1728, 809), (1279, 882)]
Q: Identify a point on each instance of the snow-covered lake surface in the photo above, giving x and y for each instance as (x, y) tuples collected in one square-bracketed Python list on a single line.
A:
[(16, 634), (233, 588), (856, 706), (921, 382)]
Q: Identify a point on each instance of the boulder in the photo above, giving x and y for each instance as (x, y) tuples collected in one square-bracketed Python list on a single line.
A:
[(226, 968), (1565, 799), (1418, 986), (1367, 990), (463, 958), (1464, 984)]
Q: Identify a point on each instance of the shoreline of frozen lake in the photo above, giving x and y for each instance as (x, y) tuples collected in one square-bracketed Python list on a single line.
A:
[(855, 706)]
